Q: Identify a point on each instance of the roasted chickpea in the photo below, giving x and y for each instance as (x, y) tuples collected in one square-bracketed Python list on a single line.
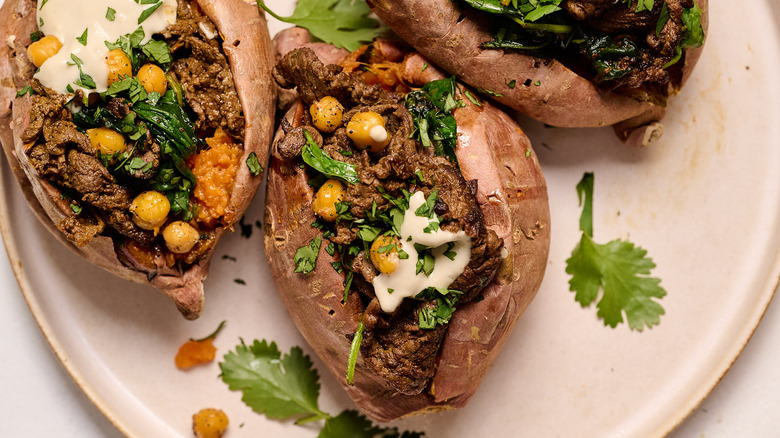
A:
[(384, 254), (326, 114), (119, 65), (326, 198), (106, 140), (150, 210), (180, 237), (209, 423), (43, 49), (152, 78), (367, 130)]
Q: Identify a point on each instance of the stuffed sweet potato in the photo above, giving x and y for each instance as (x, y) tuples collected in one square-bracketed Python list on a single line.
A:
[(569, 63), (405, 253), (140, 141)]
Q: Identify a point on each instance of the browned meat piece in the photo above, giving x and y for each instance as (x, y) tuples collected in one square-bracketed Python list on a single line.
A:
[(204, 73), (403, 353), (315, 80), (585, 9)]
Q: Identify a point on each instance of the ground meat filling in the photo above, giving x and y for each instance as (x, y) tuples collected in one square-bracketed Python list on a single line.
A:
[(394, 346), (63, 156), (203, 71), (615, 18)]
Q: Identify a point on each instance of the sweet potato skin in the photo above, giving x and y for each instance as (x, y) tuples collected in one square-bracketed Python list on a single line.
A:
[(250, 61), (545, 90), (513, 197)]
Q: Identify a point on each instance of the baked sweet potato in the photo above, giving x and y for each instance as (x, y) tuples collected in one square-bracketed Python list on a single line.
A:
[(559, 88), (230, 37), (510, 198)]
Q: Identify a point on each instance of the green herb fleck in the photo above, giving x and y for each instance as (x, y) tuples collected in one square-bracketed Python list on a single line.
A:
[(110, 14), (147, 12), (254, 164), (306, 256), (83, 38)]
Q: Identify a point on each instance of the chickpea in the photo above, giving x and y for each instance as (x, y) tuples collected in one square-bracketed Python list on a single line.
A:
[(367, 130), (383, 257), (43, 49), (119, 65), (209, 423), (152, 78), (324, 203), (106, 140), (150, 210), (180, 237), (326, 114)]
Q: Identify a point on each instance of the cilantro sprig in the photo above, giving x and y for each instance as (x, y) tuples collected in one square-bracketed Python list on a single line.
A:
[(282, 386), (619, 269), (343, 23)]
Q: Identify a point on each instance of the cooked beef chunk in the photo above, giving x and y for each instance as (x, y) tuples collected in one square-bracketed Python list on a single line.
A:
[(64, 156), (394, 346), (403, 353), (620, 18), (80, 230), (316, 80), (585, 9), (203, 71)]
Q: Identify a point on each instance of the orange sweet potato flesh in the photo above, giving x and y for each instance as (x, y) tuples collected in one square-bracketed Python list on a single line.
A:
[(513, 197), (248, 48), (450, 36)]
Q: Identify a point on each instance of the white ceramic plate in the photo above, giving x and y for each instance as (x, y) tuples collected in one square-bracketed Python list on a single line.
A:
[(704, 203)]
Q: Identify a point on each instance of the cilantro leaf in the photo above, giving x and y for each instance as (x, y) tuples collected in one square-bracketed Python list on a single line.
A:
[(352, 424), (254, 164), (279, 386), (306, 256), (619, 269), (318, 16)]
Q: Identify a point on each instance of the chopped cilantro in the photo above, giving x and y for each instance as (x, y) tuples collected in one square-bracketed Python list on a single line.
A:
[(619, 269), (110, 14), (434, 125), (487, 92), (429, 317), (306, 256), (254, 164), (149, 11), (426, 210), (25, 90), (449, 253), (83, 38), (76, 208)]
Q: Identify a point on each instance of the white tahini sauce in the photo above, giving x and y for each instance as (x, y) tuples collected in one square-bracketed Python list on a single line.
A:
[(67, 20), (404, 282)]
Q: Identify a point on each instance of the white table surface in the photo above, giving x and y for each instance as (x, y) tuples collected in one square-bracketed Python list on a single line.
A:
[(40, 399)]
